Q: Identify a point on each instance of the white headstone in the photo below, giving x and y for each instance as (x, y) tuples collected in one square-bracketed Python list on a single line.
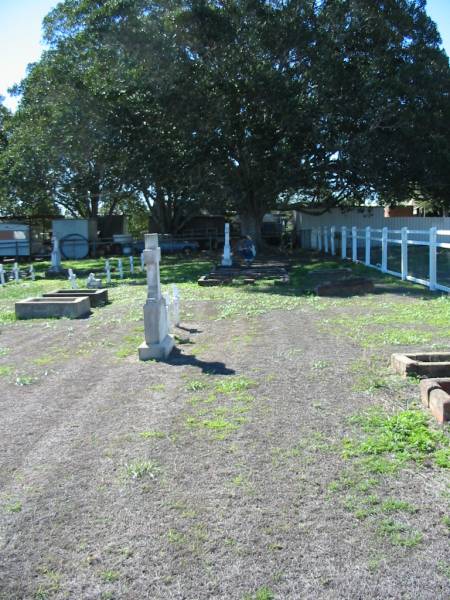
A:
[(2, 275), (120, 268), (226, 258), (175, 305), (73, 280), (16, 272), (158, 343), (92, 282), (142, 262), (108, 271), (131, 265), (56, 256), (32, 274), (166, 297)]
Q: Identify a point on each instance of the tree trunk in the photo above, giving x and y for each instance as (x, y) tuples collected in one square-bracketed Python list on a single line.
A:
[(251, 225)]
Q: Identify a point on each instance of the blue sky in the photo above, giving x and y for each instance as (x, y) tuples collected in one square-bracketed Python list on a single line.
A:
[(20, 36)]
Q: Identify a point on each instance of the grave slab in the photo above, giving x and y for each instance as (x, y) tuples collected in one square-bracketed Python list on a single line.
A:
[(435, 395), (96, 297), (42, 308), (424, 364), (345, 287)]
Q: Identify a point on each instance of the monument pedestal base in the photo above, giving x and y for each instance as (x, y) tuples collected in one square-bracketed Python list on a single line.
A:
[(158, 351), (56, 273)]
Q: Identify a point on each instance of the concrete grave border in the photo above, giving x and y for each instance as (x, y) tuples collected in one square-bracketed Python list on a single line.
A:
[(42, 308), (435, 395), (96, 297), (425, 364)]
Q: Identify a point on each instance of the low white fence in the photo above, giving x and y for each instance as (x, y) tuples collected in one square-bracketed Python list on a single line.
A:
[(378, 247)]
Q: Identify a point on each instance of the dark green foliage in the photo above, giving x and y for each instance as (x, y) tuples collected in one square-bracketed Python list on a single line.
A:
[(243, 106)]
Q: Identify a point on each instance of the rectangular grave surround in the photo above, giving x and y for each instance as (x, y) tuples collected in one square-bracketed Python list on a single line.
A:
[(42, 308), (425, 364), (97, 297), (435, 395)]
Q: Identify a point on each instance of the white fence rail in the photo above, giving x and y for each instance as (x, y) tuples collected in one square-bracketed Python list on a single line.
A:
[(378, 248)]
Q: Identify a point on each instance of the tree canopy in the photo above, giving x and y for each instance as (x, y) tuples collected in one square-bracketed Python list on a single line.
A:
[(243, 105)]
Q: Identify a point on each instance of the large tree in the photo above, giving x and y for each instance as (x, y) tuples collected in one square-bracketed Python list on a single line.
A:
[(248, 104)]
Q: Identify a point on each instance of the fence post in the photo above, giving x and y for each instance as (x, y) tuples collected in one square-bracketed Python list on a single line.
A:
[(344, 241), (332, 240), (404, 253), (325, 238), (384, 249), (433, 256), (367, 260), (354, 244), (319, 238)]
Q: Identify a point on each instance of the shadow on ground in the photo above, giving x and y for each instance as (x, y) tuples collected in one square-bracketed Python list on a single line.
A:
[(178, 358)]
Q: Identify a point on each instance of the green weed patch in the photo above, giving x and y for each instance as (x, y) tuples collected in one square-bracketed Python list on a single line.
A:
[(406, 435)]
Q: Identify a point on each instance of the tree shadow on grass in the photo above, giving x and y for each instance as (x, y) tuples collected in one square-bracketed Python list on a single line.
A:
[(178, 358)]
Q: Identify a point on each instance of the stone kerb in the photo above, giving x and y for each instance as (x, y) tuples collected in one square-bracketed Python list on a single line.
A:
[(54, 307), (424, 364), (96, 297), (435, 395)]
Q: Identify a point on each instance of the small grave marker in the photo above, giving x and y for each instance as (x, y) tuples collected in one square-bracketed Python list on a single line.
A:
[(2, 276), (16, 272), (73, 280), (175, 305), (92, 282), (166, 297), (120, 268), (108, 271), (131, 265)]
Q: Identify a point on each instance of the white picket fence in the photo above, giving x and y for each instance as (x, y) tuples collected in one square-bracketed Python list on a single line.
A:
[(328, 238)]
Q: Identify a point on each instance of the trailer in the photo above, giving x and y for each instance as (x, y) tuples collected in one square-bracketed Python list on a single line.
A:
[(14, 240)]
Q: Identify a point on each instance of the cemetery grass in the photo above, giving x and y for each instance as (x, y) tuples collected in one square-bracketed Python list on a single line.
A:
[(275, 455)]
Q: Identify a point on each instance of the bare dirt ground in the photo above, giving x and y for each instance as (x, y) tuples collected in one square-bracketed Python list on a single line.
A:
[(218, 474)]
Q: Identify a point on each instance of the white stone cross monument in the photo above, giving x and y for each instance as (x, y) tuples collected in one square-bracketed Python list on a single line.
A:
[(56, 256), (158, 342), (2, 276), (226, 258)]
